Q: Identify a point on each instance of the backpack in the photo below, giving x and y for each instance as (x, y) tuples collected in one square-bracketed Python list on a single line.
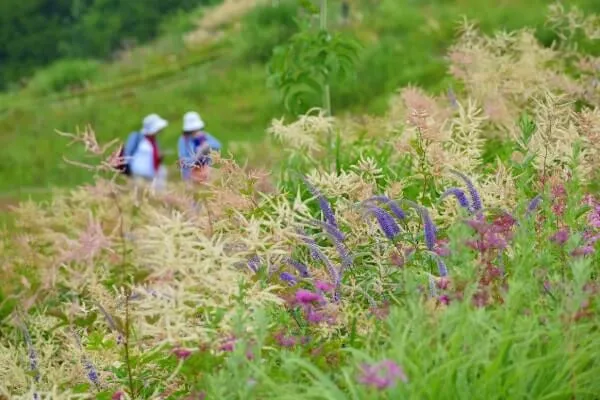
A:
[(122, 164)]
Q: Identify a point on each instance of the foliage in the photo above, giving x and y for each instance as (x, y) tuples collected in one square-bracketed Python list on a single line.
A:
[(265, 28), (64, 74), (403, 43), (37, 32), (395, 262), (305, 66)]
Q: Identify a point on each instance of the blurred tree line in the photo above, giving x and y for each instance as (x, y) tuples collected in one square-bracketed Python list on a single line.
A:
[(34, 33)]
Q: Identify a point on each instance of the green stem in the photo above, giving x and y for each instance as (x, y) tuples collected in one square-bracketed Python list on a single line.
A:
[(327, 99), (323, 17), (323, 27)]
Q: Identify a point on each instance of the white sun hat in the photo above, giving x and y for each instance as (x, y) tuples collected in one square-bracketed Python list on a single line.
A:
[(192, 122), (153, 124)]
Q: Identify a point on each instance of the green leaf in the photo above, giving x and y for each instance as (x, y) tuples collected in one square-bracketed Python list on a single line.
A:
[(55, 312), (309, 6), (81, 388), (87, 321), (527, 126), (581, 211)]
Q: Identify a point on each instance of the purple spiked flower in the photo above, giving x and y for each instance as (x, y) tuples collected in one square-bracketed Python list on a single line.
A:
[(394, 207), (333, 231), (300, 267), (317, 254), (443, 270), (91, 372), (33, 365), (311, 244), (460, 197), (323, 204), (386, 222), (254, 263), (428, 226), (341, 248), (429, 229), (533, 204), (475, 197), (287, 277)]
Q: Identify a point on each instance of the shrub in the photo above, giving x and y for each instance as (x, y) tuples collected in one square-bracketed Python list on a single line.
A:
[(265, 28), (64, 74)]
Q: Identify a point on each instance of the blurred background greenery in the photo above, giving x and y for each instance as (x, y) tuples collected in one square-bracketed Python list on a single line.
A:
[(107, 63)]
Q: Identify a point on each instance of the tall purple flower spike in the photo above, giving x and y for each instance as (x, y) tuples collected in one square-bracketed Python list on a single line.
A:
[(394, 207), (318, 255), (300, 267), (429, 229), (442, 268), (386, 222), (460, 196), (341, 248), (534, 204), (324, 204), (33, 362), (289, 278), (476, 204)]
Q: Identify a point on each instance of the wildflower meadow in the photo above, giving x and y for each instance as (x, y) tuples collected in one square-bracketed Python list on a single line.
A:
[(447, 249)]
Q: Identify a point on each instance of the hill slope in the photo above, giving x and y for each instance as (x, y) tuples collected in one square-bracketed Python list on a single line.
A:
[(217, 66)]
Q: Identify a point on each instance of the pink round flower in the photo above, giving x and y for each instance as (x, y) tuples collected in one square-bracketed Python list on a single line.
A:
[(444, 299), (228, 345), (306, 297), (560, 237), (118, 395), (443, 283), (182, 354)]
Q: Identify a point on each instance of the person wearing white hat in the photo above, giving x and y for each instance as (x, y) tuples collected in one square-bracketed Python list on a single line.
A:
[(194, 146), (146, 161)]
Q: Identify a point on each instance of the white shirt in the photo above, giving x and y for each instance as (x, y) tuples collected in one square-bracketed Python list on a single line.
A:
[(142, 161)]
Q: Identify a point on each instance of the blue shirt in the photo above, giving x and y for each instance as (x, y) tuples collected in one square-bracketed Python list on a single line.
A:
[(133, 141), (186, 150)]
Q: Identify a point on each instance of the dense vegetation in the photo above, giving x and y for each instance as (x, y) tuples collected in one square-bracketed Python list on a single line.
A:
[(206, 61), (445, 247), (34, 33)]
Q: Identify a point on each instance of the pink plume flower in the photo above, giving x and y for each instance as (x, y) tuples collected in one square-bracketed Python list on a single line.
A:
[(382, 375), (324, 286)]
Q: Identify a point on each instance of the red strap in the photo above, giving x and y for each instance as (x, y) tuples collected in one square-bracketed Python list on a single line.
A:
[(155, 152)]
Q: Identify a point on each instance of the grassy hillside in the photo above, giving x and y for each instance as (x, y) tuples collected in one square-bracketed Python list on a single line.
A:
[(222, 74)]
